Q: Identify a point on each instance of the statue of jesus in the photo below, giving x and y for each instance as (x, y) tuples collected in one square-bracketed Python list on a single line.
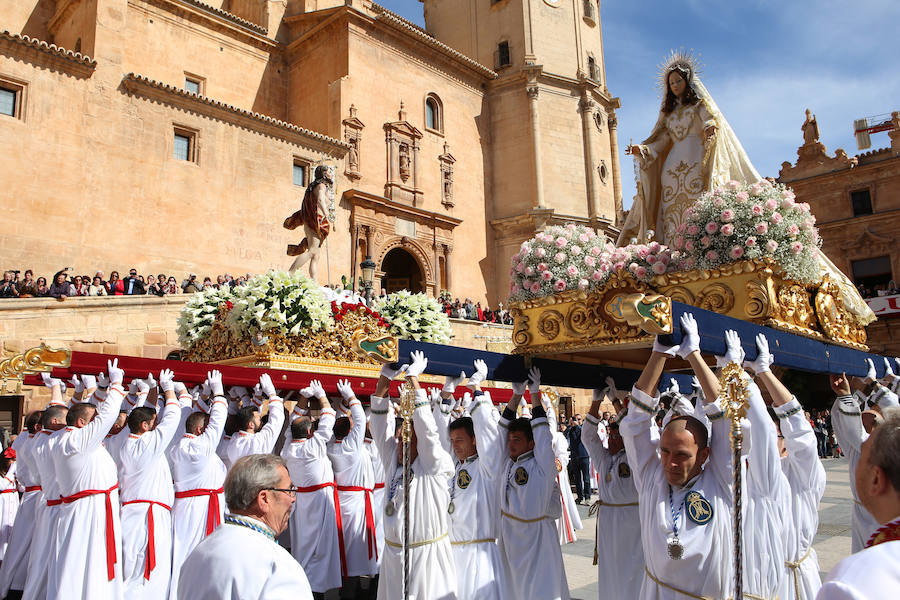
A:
[(313, 215)]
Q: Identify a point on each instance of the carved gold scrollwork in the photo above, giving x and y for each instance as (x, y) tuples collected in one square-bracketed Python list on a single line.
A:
[(836, 322), (679, 293), (716, 297), (40, 359), (793, 305), (550, 323), (757, 305), (521, 337), (578, 319)]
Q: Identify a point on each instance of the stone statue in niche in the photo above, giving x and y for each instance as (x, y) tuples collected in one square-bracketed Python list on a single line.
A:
[(353, 155), (404, 161), (448, 186)]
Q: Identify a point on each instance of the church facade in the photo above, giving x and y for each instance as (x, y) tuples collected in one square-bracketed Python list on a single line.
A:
[(175, 135)]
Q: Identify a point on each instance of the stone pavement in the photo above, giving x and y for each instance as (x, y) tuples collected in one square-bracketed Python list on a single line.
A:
[(832, 542)]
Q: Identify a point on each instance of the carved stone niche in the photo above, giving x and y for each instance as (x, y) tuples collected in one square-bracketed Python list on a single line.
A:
[(447, 160), (353, 135), (402, 141)]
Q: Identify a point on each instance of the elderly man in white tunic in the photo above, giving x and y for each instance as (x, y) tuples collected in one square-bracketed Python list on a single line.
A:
[(15, 564), (846, 417), (617, 545), (316, 539), (874, 572), (198, 475), (432, 573), (529, 504), (88, 539), (473, 491), (252, 436), (683, 484), (147, 495), (241, 559)]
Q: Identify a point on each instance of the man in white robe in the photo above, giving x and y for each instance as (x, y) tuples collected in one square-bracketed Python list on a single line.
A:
[(618, 553), (316, 537), (147, 495), (355, 480), (432, 572), (874, 572), (15, 563), (479, 455), (529, 504), (198, 476), (846, 418), (683, 484), (241, 560), (89, 551), (252, 437)]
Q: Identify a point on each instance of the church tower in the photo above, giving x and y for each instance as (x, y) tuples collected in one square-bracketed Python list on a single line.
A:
[(552, 122)]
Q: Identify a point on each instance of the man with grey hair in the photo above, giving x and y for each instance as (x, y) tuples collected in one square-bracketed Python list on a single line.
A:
[(874, 571), (241, 559)]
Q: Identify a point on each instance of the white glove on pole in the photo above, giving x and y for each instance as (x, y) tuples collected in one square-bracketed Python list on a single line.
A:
[(166, 380), (518, 388), (450, 382), (214, 383), (418, 365), (116, 375), (690, 336), (89, 381), (390, 372), (479, 375), (266, 387), (534, 383), (733, 352), (764, 358), (344, 387), (870, 374), (77, 384)]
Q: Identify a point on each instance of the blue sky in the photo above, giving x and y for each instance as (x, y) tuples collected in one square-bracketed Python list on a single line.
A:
[(763, 61)]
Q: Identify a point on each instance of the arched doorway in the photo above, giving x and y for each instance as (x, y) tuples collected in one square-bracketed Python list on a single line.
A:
[(401, 272)]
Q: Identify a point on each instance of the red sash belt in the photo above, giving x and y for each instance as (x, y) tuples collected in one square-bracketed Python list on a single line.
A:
[(150, 563), (56, 502), (9, 491), (110, 525), (337, 517), (212, 512), (32, 488), (370, 516), (379, 486)]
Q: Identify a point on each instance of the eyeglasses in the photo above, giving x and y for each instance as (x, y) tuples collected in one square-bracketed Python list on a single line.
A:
[(292, 491)]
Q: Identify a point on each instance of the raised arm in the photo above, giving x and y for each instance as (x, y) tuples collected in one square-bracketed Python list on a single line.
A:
[(218, 414), (590, 437), (94, 433), (431, 454), (382, 423), (846, 417), (264, 440)]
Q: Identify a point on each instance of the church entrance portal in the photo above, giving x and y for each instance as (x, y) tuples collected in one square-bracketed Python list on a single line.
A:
[(401, 272)]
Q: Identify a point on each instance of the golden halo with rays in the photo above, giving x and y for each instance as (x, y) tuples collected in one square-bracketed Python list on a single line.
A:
[(684, 60)]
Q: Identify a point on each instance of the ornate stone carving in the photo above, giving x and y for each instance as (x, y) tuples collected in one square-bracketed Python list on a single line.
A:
[(402, 141), (447, 161), (353, 128)]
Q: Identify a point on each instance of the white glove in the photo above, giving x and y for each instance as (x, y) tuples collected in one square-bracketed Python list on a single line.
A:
[(214, 383), (870, 374), (518, 388), (695, 383), (670, 351), (319, 392), (50, 382), (79, 387), (151, 382), (690, 336), (451, 382), (205, 390), (434, 395), (419, 362), (180, 389), (266, 387), (343, 386), (466, 401), (89, 381), (102, 381), (534, 383), (133, 388), (764, 358), (307, 392), (390, 372), (479, 375), (673, 386), (116, 375), (142, 386), (733, 350), (166, 380), (887, 368)]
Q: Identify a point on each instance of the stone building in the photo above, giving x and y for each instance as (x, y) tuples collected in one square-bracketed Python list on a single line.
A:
[(175, 135), (856, 200)]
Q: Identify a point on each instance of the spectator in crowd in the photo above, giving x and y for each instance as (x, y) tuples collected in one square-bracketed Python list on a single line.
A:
[(8, 288), (61, 288), (207, 283), (821, 434), (42, 289), (79, 286), (171, 286), (190, 285), (28, 286), (580, 461), (132, 285), (97, 287), (114, 287), (220, 281), (154, 288)]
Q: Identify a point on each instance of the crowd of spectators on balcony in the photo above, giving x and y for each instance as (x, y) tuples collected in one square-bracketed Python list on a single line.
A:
[(882, 289), (473, 311), (64, 284)]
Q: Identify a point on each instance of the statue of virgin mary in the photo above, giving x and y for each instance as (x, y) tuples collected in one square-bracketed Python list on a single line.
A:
[(691, 150)]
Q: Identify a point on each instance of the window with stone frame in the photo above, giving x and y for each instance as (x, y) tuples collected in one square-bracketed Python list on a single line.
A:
[(301, 172), (194, 84), (434, 113), (12, 97), (501, 55), (184, 144), (861, 201), (872, 272)]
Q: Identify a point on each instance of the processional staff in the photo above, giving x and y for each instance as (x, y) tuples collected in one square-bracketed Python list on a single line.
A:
[(734, 384), (406, 408)]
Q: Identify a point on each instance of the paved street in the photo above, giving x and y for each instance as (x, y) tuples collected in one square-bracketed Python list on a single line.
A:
[(832, 542)]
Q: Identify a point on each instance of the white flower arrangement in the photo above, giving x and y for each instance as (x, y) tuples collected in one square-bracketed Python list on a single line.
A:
[(199, 312), (750, 221), (280, 302), (415, 317)]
